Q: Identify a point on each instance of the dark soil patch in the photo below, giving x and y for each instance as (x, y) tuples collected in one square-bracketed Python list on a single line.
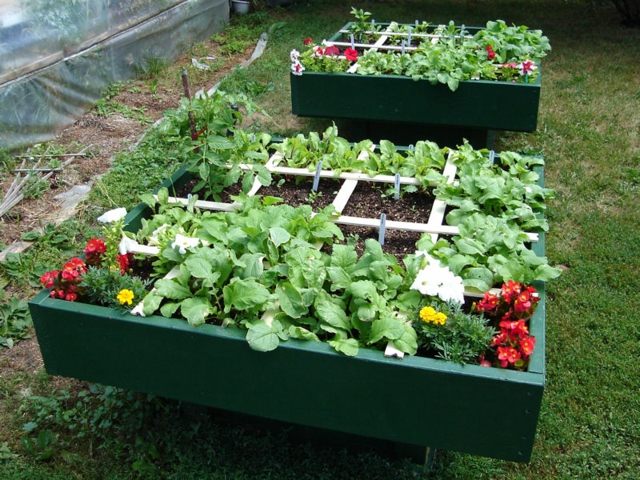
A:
[(296, 191), (368, 201), (396, 242)]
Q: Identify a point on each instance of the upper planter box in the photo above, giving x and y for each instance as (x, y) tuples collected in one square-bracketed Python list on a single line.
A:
[(482, 104), (415, 400)]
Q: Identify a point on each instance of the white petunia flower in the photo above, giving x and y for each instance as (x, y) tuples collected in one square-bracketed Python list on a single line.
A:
[(294, 55), (437, 280), (113, 215), (126, 245), (183, 243), (297, 68)]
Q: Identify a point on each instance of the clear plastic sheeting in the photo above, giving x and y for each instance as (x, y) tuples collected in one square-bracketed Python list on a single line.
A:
[(56, 56)]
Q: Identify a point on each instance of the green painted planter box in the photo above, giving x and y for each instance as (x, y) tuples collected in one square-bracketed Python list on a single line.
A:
[(482, 104), (418, 401)]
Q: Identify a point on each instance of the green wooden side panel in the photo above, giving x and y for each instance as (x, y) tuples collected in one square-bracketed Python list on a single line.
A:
[(478, 104)]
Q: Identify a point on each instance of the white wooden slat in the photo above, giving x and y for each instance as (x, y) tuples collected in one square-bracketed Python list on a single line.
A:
[(413, 35), (436, 217), (140, 249), (344, 194), (370, 47), (303, 172)]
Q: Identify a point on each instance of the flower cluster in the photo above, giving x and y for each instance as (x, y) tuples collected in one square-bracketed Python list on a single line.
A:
[(320, 52), (491, 54), (64, 283), (513, 306), (431, 315), (438, 281), (93, 251)]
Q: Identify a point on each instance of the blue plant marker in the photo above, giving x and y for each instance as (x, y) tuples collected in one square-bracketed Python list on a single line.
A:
[(383, 226), (416, 22), (402, 45), (492, 156), (316, 178), (353, 41), (409, 36), (462, 31), (396, 195)]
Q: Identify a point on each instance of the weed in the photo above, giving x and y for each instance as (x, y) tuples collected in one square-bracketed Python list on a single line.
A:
[(15, 321), (106, 107), (152, 67)]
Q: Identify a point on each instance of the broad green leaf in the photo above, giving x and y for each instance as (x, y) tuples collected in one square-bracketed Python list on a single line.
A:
[(331, 313), (301, 333), (244, 295), (279, 235), (253, 265), (365, 289), (386, 327), (263, 337), (195, 310), (348, 346), (151, 303), (171, 289), (344, 256), (198, 267), (291, 301), (340, 279), (168, 309)]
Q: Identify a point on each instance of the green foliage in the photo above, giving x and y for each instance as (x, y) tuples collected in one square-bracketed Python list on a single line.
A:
[(454, 58), (507, 189), (462, 339), (424, 162), (15, 321), (101, 286), (487, 252)]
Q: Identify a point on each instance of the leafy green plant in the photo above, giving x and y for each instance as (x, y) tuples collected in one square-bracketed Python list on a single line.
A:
[(15, 322), (489, 251), (102, 285), (506, 189), (452, 334)]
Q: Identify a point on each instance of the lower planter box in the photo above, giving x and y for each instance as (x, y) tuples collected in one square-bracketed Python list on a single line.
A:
[(479, 104), (415, 400)]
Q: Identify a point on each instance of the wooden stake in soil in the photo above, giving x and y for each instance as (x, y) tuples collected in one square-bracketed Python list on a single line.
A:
[(187, 93)]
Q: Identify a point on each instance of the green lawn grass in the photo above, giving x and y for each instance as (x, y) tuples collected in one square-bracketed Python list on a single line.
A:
[(589, 132)]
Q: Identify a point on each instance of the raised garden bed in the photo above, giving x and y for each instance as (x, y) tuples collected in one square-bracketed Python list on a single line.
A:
[(347, 93), (414, 400)]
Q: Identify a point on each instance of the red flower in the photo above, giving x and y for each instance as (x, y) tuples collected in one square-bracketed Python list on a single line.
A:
[(308, 41), (507, 355), (73, 269), (488, 303), (48, 279), (332, 50), (93, 251), (71, 297), (490, 53), (527, 345), (125, 262), (351, 54), (510, 290), (522, 302)]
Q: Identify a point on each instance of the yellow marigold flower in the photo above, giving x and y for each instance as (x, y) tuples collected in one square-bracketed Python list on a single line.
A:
[(430, 315), (125, 296)]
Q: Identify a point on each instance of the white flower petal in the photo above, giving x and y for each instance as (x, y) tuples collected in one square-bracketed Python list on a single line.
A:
[(113, 215)]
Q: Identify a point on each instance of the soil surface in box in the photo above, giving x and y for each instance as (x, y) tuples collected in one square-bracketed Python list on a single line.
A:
[(296, 191)]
